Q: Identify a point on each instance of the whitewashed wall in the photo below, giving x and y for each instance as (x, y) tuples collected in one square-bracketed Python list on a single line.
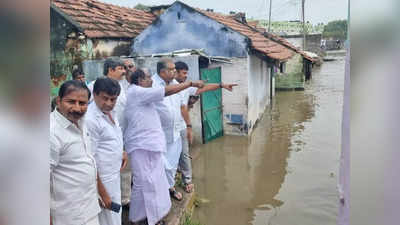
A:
[(296, 41), (258, 90), (234, 102)]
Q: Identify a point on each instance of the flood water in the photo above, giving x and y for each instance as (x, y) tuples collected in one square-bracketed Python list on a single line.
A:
[(286, 173)]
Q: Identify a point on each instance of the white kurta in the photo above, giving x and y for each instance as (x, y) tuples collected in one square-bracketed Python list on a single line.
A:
[(170, 115), (145, 144), (107, 149)]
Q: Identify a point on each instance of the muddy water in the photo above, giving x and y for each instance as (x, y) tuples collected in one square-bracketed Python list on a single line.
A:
[(286, 172)]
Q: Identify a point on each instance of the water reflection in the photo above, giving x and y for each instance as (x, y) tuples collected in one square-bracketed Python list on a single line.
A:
[(255, 180)]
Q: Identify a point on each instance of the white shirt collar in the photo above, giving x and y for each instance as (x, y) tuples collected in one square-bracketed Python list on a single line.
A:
[(159, 80), (65, 123), (99, 113)]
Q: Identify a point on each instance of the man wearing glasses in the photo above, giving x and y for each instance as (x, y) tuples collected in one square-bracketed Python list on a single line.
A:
[(169, 111)]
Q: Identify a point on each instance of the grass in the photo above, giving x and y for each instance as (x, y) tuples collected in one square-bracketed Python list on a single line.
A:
[(187, 220)]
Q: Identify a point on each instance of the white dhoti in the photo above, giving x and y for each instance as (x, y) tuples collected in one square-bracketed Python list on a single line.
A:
[(171, 160), (126, 180), (113, 188), (93, 221), (150, 197)]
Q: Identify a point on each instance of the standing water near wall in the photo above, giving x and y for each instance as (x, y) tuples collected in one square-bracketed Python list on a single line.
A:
[(287, 172)]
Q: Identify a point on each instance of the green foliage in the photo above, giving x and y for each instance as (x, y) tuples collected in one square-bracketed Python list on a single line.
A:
[(142, 7), (336, 29), (187, 220)]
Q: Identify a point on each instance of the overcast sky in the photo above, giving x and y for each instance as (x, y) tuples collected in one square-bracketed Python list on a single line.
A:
[(316, 10)]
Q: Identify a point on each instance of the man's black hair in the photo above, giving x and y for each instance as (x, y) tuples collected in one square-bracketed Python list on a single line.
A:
[(106, 85), (181, 66), (75, 73), (138, 74), (111, 63), (162, 64), (72, 85)]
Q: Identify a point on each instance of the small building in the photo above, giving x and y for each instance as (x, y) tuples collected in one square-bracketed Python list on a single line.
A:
[(253, 58), (87, 29), (292, 73), (313, 41)]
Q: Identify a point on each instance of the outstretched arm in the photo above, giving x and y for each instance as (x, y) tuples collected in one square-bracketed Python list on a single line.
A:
[(211, 87), (175, 88)]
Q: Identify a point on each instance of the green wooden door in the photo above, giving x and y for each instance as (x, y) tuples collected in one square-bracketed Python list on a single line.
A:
[(211, 106)]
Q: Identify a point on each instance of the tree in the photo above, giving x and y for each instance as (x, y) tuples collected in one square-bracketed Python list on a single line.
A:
[(142, 7), (336, 29)]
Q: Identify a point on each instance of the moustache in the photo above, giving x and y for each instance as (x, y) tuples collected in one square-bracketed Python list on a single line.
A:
[(76, 114)]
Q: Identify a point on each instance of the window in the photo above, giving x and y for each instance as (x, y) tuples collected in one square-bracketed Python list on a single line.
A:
[(282, 67)]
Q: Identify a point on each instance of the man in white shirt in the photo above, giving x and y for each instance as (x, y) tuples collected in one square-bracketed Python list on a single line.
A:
[(145, 143), (126, 174), (185, 126), (170, 114), (115, 69), (108, 146), (129, 68), (73, 172)]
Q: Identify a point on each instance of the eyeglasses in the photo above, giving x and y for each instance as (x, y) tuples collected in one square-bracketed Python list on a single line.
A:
[(171, 69)]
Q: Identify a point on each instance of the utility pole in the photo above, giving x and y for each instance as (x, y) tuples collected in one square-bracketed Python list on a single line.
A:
[(304, 25), (269, 20), (348, 23)]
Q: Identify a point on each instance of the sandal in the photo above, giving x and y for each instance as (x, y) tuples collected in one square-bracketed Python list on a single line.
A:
[(188, 187), (174, 194), (161, 222)]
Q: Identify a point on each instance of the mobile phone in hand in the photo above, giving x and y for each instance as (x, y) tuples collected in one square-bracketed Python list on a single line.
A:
[(115, 207)]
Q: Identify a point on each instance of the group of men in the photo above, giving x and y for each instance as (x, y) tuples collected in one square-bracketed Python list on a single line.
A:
[(96, 128)]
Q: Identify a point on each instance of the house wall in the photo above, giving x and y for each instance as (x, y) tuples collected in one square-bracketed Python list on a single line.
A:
[(103, 48), (297, 41), (293, 76), (235, 102), (69, 52), (313, 42), (258, 89), (61, 59), (180, 27)]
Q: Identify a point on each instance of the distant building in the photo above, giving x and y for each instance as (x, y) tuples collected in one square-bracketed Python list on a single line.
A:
[(291, 27)]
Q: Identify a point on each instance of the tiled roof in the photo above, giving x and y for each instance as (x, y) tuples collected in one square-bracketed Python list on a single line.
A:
[(259, 42), (101, 20)]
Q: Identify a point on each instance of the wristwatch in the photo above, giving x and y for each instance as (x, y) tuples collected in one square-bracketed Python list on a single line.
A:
[(189, 125)]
